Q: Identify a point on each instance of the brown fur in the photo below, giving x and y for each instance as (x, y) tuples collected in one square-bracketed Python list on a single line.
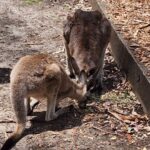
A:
[(39, 76), (86, 36)]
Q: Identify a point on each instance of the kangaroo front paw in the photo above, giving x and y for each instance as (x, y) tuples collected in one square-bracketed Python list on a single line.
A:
[(82, 105)]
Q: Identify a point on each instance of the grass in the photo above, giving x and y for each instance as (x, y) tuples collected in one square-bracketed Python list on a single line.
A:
[(123, 97), (32, 1)]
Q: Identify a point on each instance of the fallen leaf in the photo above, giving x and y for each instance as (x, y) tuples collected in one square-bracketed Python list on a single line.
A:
[(144, 148), (147, 128), (129, 138), (113, 138)]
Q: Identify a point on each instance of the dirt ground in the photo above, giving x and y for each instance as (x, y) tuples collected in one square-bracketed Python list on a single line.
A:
[(27, 27)]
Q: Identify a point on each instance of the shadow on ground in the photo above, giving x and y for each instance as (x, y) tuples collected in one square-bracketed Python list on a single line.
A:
[(4, 75), (73, 118)]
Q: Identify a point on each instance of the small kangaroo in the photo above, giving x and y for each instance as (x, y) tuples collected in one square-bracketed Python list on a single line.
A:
[(86, 36), (39, 76)]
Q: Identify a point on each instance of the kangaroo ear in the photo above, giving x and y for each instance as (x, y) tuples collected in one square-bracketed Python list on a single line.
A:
[(69, 18), (105, 27), (98, 15), (67, 28), (77, 13), (83, 77)]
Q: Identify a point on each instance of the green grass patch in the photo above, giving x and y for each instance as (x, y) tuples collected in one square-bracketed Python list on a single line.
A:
[(32, 1), (122, 97)]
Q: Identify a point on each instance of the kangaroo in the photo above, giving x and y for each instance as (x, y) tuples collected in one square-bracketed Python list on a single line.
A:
[(86, 36), (39, 76)]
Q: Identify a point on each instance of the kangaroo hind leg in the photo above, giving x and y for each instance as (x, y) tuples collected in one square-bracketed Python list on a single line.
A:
[(30, 104), (51, 113)]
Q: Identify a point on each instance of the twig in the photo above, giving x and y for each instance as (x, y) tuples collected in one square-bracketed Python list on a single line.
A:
[(125, 118), (101, 130), (34, 43), (145, 26), (7, 121), (55, 37), (119, 117), (119, 111), (12, 121), (97, 128)]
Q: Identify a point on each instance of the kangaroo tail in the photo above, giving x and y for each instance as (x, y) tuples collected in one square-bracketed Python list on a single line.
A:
[(17, 97), (13, 139)]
